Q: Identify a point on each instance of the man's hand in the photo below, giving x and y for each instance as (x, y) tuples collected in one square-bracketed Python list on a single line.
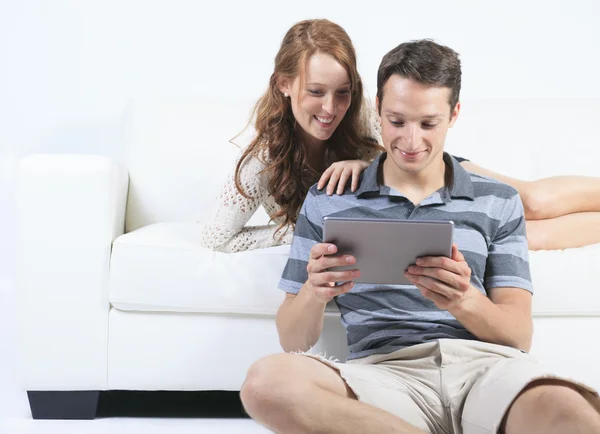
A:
[(445, 281), (321, 282)]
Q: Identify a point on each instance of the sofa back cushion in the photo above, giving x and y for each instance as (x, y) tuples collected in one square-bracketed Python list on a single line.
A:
[(178, 155), (178, 151)]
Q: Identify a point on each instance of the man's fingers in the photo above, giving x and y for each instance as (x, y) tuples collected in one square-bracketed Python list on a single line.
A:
[(439, 300), (332, 291), (456, 254), (321, 279), (322, 249), (439, 262), (452, 279), (325, 262), (435, 286)]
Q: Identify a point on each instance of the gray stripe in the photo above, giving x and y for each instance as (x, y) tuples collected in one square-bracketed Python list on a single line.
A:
[(382, 207), (376, 300), (384, 330), (295, 271), (364, 317), (503, 265), (308, 229), (497, 190), (408, 338), (513, 227)]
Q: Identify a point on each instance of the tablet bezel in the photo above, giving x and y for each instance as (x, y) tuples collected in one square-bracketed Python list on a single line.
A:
[(374, 243)]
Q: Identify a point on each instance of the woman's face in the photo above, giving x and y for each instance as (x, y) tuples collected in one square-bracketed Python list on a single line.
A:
[(320, 104)]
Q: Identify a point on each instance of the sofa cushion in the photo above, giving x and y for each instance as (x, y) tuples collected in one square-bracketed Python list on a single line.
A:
[(161, 267), (566, 281)]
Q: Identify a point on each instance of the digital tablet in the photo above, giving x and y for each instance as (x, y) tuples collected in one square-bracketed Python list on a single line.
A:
[(384, 249)]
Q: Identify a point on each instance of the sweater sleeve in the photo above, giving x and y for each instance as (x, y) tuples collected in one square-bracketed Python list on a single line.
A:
[(226, 229)]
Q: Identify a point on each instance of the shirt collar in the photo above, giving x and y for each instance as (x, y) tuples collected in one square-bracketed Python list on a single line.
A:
[(461, 185)]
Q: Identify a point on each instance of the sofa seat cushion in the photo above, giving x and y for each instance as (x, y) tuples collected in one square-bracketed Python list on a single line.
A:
[(161, 267), (566, 282)]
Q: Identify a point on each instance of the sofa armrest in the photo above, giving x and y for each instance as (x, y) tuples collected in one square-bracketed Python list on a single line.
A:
[(70, 208)]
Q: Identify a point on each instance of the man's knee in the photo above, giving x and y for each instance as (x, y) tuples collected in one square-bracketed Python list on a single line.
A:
[(554, 403), (554, 400), (268, 384)]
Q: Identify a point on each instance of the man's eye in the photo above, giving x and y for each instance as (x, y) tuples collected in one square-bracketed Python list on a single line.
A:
[(428, 126)]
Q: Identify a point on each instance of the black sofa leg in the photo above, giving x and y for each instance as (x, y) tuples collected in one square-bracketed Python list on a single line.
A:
[(76, 404)]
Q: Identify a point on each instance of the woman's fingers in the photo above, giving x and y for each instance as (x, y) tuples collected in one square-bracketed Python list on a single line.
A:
[(333, 181), (343, 181), (355, 177), (325, 177)]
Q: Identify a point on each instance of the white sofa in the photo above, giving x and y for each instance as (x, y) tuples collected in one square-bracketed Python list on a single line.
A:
[(115, 292)]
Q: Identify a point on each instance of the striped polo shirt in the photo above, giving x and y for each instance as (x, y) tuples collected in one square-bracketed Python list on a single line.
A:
[(489, 230)]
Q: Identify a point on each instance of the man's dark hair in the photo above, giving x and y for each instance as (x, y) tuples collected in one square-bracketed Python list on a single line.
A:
[(423, 61)]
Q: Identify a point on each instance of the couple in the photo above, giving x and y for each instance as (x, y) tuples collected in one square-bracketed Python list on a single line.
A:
[(313, 116), (446, 355)]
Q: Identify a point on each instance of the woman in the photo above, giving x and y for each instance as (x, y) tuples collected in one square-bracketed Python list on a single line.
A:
[(313, 115)]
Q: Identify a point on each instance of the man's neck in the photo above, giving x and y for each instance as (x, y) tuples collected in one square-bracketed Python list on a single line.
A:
[(415, 186)]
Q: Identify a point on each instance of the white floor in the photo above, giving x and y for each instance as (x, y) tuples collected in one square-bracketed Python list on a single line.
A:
[(15, 416)]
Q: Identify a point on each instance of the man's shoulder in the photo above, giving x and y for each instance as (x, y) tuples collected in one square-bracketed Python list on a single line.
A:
[(486, 186), (311, 208)]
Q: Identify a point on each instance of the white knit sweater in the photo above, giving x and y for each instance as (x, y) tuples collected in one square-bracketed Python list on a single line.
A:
[(226, 230)]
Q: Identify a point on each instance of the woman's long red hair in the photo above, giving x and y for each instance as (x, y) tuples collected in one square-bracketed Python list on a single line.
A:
[(290, 174)]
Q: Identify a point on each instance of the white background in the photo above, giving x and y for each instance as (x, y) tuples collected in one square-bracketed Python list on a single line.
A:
[(68, 68)]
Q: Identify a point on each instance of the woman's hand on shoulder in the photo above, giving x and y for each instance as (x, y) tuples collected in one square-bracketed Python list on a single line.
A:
[(336, 176)]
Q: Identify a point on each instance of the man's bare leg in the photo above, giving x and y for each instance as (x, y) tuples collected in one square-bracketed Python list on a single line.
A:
[(291, 393), (551, 407)]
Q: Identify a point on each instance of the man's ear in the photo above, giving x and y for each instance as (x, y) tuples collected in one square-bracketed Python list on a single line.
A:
[(454, 115), (377, 109)]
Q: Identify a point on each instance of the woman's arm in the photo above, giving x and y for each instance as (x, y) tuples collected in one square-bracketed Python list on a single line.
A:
[(226, 229)]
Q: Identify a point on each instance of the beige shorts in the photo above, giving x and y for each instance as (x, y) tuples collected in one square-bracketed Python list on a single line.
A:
[(447, 386)]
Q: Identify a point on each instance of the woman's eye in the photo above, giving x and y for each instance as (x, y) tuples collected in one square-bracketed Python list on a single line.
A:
[(428, 126), (314, 92), (344, 92), (397, 123)]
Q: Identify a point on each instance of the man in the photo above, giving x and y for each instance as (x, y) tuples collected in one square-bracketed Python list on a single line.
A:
[(446, 355)]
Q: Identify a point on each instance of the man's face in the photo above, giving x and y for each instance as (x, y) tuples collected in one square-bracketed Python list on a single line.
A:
[(414, 121)]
